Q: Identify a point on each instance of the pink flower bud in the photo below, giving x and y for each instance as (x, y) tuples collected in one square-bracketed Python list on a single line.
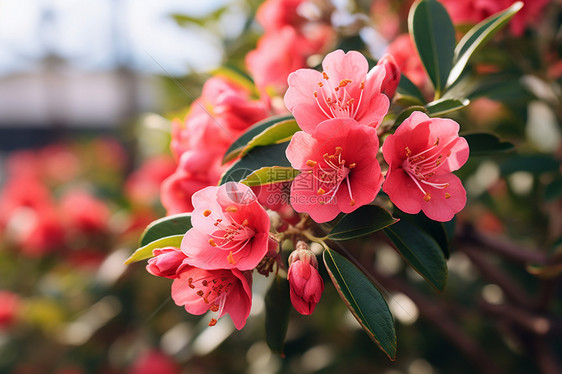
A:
[(306, 284), (165, 262), (392, 77)]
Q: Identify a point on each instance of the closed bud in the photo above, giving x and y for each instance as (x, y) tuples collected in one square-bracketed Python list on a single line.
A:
[(165, 262), (392, 77), (306, 284)]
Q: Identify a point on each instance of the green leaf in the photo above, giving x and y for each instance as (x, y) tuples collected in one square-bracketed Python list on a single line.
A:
[(434, 35), (146, 252), (363, 300), (409, 89), (420, 251), (440, 107), (177, 224), (269, 175), (407, 113), (257, 158), (277, 310), (483, 144), (476, 37), (535, 164), (363, 221), (278, 133), (239, 144), (442, 232)]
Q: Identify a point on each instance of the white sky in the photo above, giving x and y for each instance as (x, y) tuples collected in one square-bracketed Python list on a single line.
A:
[(95, 34)]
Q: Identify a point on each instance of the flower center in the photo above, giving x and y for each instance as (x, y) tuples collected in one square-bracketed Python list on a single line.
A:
[(213, 290), (421, 168), (232, 237), (338, 101), (330, 173)]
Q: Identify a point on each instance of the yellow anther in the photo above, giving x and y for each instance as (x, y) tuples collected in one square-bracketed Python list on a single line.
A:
[(207, 213)]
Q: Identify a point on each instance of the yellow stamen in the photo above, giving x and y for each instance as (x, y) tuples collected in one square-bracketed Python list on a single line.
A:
[(207, 213)]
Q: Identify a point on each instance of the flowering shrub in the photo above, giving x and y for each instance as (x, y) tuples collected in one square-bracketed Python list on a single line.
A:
[(355, 124)]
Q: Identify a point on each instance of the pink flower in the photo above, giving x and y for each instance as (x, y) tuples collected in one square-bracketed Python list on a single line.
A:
[(143, 185), (392, 76), (406, 56), (273, 15), (165, 262), (306, 284), (345, 89), (421, 155), (222, 291), (230, 229), (340, 171), (277, 55), (84, 213)]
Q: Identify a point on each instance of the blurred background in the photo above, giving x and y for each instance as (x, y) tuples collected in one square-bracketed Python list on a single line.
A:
[(87, 93)]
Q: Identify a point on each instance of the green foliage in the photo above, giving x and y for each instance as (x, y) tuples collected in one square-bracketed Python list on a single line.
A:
[(257, 131), (434, 36), (277, 310), (145, 252), (363, 221), (483, 144), (177, 224), (269, 175), (420, 251), (363, 300)]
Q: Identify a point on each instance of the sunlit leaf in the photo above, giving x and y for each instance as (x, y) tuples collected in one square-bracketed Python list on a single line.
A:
[(420, 251), (440, 107), (269, 175), (363, 300), (363, 221), (434, 35), (177, 224), (278, 133), (476, 37), (146, 252), (239, 144), (257, 158)]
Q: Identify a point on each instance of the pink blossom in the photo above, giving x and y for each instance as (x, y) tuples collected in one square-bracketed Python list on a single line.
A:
[(222, 291), (165, 262), (421, 155), (470, 11), (339, 168), (143, 185), (306, 284), (83, 212), (392, 76), (277, 55), (230, 229), (273, 15), (344, 89), (406, 56)]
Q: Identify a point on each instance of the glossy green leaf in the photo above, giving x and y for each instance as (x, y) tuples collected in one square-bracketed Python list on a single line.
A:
[(483, 144), (363, 221), (535, 164), (269, 175), (177, 224), (239, 144), (420, 251), (442, 232), (476, 37), (434, 35), (409, 89), (146, 252), (277, 310), (440, 107), (363, 300), (278, 133), (257, 158)]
